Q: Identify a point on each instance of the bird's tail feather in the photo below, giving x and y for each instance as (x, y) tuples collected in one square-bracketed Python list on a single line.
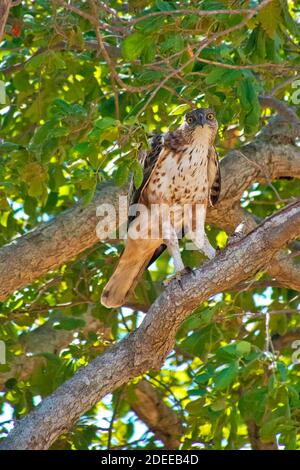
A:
[(134, 259)]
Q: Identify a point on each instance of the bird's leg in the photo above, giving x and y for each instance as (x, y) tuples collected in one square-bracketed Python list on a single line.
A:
[(171, 240), (196, 230), (208, 250), (173, 248)]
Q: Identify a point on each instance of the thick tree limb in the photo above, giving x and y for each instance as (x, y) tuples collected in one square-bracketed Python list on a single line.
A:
[(148, 346), (270, 156)]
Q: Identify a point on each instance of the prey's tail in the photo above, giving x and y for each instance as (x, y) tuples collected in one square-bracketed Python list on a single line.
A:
[(133, 261)]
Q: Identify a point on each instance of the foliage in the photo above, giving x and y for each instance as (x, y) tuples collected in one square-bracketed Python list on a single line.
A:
[(73, 118)]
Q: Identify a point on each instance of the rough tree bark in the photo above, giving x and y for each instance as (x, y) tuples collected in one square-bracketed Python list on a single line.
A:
[(147, 347)]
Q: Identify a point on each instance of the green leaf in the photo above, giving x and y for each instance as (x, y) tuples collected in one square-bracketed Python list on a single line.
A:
[(234, 350), (133, 46), (8, 146), (270, 428), (61, 107), (202, 341), (249, 104), (45, 138), (219, 404), (180, 109), (270, 17), (247, 93), (149, 76), (203, 378), (243, 348), (51, 60), (21, 80), (121, 175), (89, 194), (278, 323), (163, 5), (194, 407), (174, 42), (227, 353), (215, 75), (283, 371), (231, 76), (105, 123), (148, 54), (289, 22), (36, 188), (252, 404), (225, 378), (151, 25), (138, 174), (69, 323), (2, 92)]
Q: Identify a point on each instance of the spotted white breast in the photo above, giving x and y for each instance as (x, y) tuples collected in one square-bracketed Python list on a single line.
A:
[(180, 177)]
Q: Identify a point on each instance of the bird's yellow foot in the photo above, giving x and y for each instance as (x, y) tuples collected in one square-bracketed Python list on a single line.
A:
[(178, 276)]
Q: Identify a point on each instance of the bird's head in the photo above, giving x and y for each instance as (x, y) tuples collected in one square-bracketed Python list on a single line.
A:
[(204, 118)]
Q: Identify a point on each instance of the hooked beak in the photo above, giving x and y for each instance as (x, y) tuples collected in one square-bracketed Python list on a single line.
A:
[(201, 120)]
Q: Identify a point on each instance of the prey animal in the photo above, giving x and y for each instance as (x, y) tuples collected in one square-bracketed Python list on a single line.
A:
[(180, 172)]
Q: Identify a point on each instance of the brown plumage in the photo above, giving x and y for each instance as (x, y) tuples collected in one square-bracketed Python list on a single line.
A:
[(181, 168)]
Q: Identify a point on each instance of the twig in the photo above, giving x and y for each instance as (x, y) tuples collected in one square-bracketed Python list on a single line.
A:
[(107, 57), (111, 425), (241, 67), (190, 11), (5, 6), (283, 84)]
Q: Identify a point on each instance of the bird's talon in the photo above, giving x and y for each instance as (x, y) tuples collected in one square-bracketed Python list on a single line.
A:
[(189, 270), (178, 276), (233, 239)]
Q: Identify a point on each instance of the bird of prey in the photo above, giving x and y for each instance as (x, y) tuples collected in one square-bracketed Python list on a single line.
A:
[(180, 169)]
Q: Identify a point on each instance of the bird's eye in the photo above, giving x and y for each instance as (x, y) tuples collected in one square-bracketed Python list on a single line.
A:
[(189, 120), (210, 116)]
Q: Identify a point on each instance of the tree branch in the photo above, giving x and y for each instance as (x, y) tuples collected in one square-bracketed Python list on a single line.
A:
[(270, 156), (148, 346), (5, 6)]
